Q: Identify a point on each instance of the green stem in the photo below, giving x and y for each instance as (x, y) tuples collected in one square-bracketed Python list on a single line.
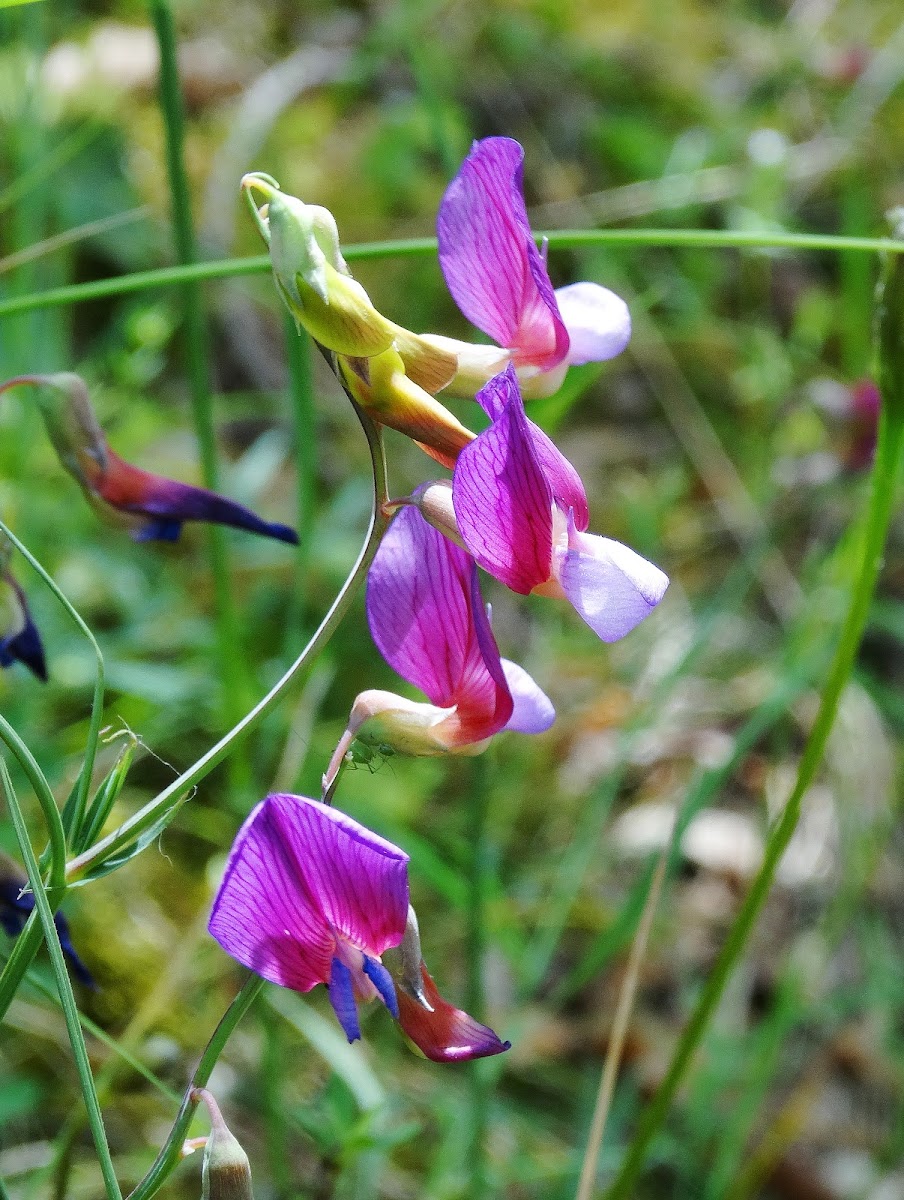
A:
[(232, 672), (41, 789), (64, 987), (170, 1152), (83, 783), (301, 394), (876, 522), (563, 239), (479, 1080), (170, 798)]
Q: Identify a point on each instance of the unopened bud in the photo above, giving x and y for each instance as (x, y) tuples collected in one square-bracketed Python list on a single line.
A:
[(226, 1173)]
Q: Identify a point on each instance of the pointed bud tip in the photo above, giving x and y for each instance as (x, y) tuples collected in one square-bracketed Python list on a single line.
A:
[(226, 1174)]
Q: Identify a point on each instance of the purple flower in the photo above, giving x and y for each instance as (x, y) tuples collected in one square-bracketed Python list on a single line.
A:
[(16, 906), (521, 511), (429, 622), (19, 637), (310, 896), (499, 280), (151, 507)]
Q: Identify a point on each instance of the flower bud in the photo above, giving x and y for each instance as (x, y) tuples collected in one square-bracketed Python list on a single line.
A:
[(226, 1173)]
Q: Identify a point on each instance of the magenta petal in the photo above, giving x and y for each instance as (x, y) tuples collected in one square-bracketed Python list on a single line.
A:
[(299, 874), (503, 502), (610, 586), (264, 915), (533, 711), (564, 481), (492, 266), (597, 320), (445, 1033)]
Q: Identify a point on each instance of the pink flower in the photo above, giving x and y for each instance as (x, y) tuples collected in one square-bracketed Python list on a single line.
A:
[(310, 896), (499, 280), (429, 622), (521, 511)]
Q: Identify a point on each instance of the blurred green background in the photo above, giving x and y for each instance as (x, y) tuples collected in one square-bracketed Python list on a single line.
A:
[(722, 445)]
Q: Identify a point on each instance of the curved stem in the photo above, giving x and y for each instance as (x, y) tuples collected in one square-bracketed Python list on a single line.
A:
[(169, 1154), (171, 797), (83, 783), (41, 789), (869, 563), (562, 239)]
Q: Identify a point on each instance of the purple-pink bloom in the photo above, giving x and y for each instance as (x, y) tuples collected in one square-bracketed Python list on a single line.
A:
[(310, 896), (499, 279), (429, 622), (521, 511)]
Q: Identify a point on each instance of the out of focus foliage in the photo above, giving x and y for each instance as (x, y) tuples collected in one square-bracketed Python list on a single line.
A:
[(721, 445)]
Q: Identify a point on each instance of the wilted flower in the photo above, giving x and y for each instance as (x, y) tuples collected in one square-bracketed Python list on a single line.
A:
[(19, 637), (310, 896), (520, 509), (16, 906), (429, 622), (153, 508), (499, 280), (392, 373)]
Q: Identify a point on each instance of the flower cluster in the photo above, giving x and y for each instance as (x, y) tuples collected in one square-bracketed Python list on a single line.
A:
[(310, 896)]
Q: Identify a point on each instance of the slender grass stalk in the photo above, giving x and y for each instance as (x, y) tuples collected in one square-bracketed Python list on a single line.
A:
[(619, 1032), (64, 987), (41, 789), (164, 806), (480, 1081), (83, 783), (872, 540), (559, 239), (233, 673), (169, 1154)]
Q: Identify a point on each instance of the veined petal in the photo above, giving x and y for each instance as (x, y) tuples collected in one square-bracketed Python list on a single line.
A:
[(533, 711), (610, 586), (597, 320), (564, 482), (503, 501), (298, 875), (445, 1033), (491, 263), (168, 503), (419, 607)]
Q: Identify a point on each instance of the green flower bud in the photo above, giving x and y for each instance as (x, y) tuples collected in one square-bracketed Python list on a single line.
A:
[(226, 1173)]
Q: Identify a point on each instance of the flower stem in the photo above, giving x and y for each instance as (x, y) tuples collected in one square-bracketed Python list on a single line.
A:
[(169, 1154), (874, 530), (83, 783), (64, 987), (163, 807)]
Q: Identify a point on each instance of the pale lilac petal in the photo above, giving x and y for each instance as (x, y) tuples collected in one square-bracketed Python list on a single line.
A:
[(503, 502), (360, 880), (445, 1033), (492, 266), (264, 914), (598, 322), (533, 711), (610, 586)]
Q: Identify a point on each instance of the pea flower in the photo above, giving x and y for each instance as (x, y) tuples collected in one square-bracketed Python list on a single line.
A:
[(429, 622), (151, 507), (519, 507), (16, 905), (498, 278), (310, 896), (391, 372), (19, 637)]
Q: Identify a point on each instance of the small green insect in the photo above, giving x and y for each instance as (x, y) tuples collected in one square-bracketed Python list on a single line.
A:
[(367, 754)]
